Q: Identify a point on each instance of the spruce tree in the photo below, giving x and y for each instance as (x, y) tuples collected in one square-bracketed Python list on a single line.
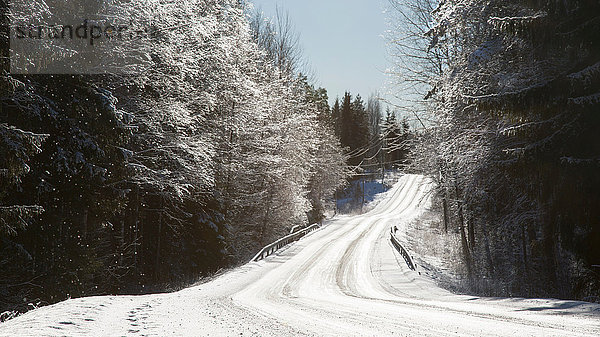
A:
[(360, 124), (346, 124), (336, 116)]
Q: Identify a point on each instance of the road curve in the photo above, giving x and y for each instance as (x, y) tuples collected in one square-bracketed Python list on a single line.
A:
[(342, 280)]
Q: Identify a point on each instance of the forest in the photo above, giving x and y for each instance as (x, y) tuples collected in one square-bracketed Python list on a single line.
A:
[(509, 92), (134, 181)]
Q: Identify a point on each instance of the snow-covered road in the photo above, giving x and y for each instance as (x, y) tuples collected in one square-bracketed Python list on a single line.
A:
[(342, 280)]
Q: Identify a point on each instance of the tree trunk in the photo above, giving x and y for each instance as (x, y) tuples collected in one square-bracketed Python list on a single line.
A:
[(561, 277), (263, 228), (84, 225), (486, 244), (525, 259), (363, 195), (136, 217), (157, 262), (471, 224), (463, 236), (465, 249), (122, 242), (446, 217)]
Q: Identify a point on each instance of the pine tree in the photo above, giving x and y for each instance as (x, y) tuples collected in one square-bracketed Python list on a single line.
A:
[(354, 128), (360, 124), (392, 140), (336, 114), (346, 122)]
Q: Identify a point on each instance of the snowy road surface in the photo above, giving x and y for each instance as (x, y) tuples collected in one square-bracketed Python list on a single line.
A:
[(342, 280)]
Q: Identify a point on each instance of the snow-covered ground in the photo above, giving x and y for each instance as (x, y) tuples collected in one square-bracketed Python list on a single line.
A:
[(437, 254), (342, 280)]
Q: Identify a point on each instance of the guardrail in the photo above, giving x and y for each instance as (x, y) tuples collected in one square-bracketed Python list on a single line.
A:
[(396, 243), (296, 228), (273, 247)]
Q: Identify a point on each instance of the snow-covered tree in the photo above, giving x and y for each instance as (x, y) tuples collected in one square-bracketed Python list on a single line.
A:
[(512, 137), (16, 148), (201, 146)]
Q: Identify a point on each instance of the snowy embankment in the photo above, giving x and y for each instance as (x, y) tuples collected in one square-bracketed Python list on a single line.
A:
[(344, 279), (369, 189)]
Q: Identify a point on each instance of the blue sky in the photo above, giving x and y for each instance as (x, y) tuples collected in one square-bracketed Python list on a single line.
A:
[(342, 40)]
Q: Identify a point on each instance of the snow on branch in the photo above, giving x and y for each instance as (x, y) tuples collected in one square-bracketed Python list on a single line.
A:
[(14, 217), (33, 138), (518, 18), (586, 75), (540, 144), (586, 100), (511, 130), (580, 161), (522, 96), (516, 23)]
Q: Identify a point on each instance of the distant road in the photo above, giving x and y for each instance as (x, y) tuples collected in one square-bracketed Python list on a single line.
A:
[(342, 280)]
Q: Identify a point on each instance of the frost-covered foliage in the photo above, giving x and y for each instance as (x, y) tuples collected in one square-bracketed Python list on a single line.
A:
[(220, 118), (159, 175), (273, 152), (512, 142)]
